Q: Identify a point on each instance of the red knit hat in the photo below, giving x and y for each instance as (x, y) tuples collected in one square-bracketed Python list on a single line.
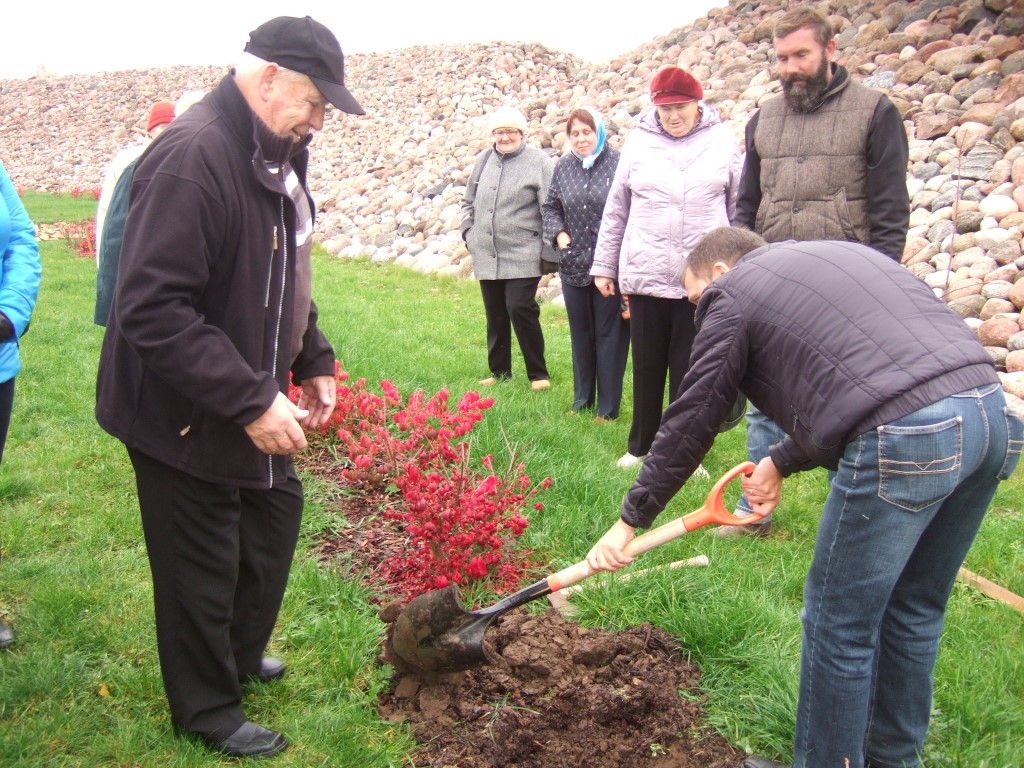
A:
[(673, 85), (162, 112)]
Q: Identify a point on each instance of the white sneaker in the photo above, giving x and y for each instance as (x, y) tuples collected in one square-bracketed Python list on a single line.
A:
[(629, 460)]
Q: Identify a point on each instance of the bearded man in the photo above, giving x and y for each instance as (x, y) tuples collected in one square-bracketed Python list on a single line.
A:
[(826, 161)]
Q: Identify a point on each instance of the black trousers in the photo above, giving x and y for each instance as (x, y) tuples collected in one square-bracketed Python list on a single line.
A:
[(219, 557), (600, 348), (661, 333), (512, 304), (6, 406)]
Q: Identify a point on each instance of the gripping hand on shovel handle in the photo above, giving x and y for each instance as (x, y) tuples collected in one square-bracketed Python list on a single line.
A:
[(763, 487), (620, 544), (609, 554)]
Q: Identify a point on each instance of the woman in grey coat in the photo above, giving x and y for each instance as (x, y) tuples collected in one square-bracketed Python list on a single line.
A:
[(502, 226)]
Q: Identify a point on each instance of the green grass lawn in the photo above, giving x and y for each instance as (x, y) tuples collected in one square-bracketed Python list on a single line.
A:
[(82, 686), (46, 208)]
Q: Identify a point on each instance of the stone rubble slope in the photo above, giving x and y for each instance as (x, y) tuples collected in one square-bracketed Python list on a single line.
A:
[(388, 185)]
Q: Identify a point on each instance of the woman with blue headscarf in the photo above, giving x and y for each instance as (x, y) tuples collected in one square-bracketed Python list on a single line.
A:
[(572, 217)]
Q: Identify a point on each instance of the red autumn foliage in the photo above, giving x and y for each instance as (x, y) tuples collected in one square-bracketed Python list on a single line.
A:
[(462, 522)]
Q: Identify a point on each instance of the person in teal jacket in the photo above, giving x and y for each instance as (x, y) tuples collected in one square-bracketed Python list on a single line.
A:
[(19, 286)]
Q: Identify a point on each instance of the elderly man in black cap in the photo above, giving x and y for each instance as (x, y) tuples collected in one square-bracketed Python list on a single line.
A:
[(212, 313)]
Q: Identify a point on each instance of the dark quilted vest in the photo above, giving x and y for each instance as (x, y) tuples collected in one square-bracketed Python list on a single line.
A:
[(813, 172)]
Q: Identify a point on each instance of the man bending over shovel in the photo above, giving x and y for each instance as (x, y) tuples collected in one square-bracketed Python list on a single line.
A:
[(873, 377)]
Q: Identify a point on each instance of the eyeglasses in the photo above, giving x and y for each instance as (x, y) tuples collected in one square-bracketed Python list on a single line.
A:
[(504, 132)]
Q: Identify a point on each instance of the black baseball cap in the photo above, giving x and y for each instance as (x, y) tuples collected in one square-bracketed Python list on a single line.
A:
[(306, 46)]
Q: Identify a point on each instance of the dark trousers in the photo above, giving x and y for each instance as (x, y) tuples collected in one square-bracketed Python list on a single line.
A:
[(6, 405), (219, 557), (600, 348), (661, 333), (512, 304)]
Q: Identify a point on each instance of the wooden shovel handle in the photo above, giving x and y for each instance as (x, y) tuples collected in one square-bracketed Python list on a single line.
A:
[(713, 511)]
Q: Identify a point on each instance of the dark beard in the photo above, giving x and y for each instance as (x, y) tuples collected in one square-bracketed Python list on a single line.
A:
[(808, 90)]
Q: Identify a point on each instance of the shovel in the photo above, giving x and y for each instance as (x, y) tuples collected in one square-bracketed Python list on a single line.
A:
[(436, 634)]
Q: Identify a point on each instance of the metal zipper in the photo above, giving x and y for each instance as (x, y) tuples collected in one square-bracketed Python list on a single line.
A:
[(280, 307)]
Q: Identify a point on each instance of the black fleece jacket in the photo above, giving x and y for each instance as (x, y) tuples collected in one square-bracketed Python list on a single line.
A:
[(198, 340)]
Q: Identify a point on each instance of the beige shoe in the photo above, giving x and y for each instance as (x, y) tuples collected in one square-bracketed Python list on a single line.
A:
[(540, 384), (603, 420), (757, 530), (490, 381), (629, 460)]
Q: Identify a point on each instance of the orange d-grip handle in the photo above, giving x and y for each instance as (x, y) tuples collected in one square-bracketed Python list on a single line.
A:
[(714, 510)]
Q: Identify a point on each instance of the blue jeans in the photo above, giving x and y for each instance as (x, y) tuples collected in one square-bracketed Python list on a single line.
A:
[(903, 509), (762, 434)]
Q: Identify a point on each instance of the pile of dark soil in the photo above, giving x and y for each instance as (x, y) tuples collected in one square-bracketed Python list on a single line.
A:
[(554, 693)]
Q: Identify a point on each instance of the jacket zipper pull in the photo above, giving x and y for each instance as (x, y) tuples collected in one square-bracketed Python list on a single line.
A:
[(275, 237)]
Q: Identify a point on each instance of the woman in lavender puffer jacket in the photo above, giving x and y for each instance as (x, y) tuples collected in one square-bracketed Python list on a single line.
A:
[(677, 179)]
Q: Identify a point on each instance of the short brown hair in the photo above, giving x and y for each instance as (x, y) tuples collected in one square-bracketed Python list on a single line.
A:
[(583, 116), (728, 244), (804, 17)]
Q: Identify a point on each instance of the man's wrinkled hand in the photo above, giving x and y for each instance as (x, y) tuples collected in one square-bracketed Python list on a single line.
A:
[(318, 397), (278, 431)]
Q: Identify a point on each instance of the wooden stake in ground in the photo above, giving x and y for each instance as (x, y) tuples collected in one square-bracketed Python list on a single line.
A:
[(991, 589), (560, 600)]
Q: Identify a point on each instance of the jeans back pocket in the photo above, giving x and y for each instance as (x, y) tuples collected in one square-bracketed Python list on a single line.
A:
[(919, 465)]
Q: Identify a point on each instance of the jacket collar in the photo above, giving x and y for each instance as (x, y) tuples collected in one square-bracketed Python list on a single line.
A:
[(252, 133), (708, 116), (273, 147), (840, 79)]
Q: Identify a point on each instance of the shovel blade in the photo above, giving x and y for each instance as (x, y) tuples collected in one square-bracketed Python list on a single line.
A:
[(436, 634)]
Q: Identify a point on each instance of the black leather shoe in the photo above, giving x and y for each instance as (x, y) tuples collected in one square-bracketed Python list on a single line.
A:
[(271, 668), (762, 762), (250, 740), (6, 636)]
